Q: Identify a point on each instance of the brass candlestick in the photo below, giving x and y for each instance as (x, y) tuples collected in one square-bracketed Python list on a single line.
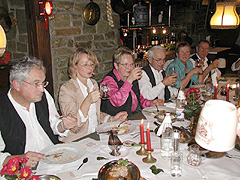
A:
[(149, 159), (142, 151)]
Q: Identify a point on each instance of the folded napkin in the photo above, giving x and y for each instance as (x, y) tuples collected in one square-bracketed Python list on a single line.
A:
[(214, 78)]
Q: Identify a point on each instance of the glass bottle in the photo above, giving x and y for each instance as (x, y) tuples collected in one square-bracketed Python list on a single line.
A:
[(167, 138), (180, 104), (176, 158)]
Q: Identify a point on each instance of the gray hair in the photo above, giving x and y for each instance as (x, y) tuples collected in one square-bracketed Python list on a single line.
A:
[(21, 68), (150, 51), (120, 52)]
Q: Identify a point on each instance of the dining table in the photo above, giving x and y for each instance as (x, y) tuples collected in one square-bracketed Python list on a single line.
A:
[(95, 146)]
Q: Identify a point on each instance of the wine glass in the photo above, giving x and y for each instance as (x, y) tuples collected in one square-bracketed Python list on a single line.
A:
[(173, 71), (198, 63), (105, 91)]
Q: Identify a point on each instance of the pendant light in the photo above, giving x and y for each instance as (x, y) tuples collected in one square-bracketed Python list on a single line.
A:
[(225, 16), (3, 41)]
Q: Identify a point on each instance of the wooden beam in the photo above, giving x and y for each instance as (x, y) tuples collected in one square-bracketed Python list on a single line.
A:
[(39, 39)]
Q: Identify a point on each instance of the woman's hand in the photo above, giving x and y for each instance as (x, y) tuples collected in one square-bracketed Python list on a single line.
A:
[(69, 122), (135, 74), (33, 158), (121, 116), (157, 102), (93, 96)]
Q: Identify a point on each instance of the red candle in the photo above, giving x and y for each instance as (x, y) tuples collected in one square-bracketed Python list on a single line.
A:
[(142, 132), (216, 89), (227, 97), (148, 138)]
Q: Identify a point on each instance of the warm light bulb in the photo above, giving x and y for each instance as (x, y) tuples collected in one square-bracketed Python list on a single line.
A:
[(154, 30), (3, 41), (48, 8), (164, 31)]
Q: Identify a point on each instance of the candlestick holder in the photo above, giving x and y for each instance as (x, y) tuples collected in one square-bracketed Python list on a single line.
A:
[(149, 159), (142, 151)]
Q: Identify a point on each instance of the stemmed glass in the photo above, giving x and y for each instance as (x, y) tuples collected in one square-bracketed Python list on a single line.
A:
[(173, 71), (105, 91)]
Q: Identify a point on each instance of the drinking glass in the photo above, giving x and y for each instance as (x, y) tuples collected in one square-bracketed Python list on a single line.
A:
[(105, 91), (198, 63), (173, 71)]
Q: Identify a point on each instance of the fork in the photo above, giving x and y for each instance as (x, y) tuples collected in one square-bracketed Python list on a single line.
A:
[(232, 156), (56, 154), (157, 109)]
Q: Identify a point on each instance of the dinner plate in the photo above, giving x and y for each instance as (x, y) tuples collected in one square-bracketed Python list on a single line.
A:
[(132, 168), (48, 177), (151, 112), (67, 153), (109, 126)]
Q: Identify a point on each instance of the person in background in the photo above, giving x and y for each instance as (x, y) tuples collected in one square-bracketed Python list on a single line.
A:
[(236, 65), (200, 59), (80, 96), (187, 74), (154, 83), (29, 121), (125, 93)]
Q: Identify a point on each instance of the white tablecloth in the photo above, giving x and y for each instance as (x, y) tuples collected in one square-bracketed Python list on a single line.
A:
[(210, 169)]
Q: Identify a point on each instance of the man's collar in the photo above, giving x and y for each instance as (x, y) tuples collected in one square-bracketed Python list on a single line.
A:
[(153, 69)]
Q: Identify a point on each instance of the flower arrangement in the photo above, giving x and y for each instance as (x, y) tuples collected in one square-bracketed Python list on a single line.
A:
[(16, 169), (5, 59), (193, 107)]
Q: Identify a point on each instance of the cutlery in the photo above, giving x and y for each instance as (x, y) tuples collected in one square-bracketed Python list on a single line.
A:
[(122, 122), (84, 161), (232, 156), (157, 109), (56, 154)]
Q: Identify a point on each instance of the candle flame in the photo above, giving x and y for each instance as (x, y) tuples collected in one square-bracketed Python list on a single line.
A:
[(216, 85), (142, 121), (148, 125), (228, 85)]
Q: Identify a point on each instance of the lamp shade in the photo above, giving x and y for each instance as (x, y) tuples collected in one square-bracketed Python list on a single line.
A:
[(217, 126), (225, 17), (3, 41)]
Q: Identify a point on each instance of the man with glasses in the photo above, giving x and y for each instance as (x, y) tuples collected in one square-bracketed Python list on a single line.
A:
[(154, 83), (29, 121), (199, 59)]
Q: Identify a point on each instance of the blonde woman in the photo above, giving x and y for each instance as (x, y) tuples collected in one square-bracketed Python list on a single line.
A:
[(80, 96)]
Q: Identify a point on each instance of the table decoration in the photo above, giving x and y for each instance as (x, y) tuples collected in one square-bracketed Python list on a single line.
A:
[(193, 107), (16, 169), (216, 91), (142, 151), (227, 96)]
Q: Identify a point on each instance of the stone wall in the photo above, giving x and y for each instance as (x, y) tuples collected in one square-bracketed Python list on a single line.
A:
[(69, 30), (17, 40)]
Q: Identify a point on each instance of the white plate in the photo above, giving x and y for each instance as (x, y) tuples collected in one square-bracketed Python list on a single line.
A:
[(150, 112), (108, 126), (70, 152)]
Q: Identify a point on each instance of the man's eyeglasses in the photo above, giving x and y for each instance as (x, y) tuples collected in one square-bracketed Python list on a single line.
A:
[(38, 84), (205, 49), (128, 65), (88, 65), (159, 60)]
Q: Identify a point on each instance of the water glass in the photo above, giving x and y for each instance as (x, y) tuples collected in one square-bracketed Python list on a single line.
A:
[(176, 160), (173, 71), (194, 157), (105, 91)]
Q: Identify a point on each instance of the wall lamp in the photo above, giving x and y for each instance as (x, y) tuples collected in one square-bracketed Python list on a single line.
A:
[(225, 17), (3, 41), (45, 9)]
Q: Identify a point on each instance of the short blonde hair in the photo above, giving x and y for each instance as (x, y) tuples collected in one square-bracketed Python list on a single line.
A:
[(120, 52), (75, 57)]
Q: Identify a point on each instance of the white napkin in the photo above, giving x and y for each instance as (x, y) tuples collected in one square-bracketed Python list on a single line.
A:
[(214, 78)]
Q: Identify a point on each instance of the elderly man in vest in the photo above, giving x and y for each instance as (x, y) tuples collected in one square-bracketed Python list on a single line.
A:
[(29, 121), (200, 59), (154, 83)]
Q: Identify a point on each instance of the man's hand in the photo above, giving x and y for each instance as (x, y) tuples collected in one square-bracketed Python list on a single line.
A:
[(157, 102), (121, 116), (169, 79), (214, 64), (197, 70), (34, 158), (69, 122), (135, 74)]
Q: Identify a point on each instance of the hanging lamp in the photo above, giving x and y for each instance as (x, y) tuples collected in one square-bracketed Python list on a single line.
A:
[(3, 41), (225, 17)]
